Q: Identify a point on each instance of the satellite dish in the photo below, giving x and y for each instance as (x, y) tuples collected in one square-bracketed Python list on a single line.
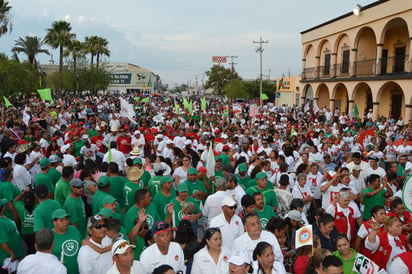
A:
[(357, 10)]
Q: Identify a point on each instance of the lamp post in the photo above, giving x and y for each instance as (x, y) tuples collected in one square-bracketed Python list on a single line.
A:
[(260, 51)]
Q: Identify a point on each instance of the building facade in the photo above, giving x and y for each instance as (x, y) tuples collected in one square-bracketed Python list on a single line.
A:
[(288, 91), (362, 57)]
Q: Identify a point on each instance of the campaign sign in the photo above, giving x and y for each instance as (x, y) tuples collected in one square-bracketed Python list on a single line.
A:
[(364, 265), (304, 236), (407, 194)]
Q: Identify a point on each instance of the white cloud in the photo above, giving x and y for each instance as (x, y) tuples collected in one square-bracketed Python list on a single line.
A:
[(67, 17), (80, 19)]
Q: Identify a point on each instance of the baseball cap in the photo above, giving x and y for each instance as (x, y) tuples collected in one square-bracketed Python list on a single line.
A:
[(228, 201), (182, 187), (120, 247), (242, 167), (92, 221), (224, 136), (296, 216), (239, 257), (106, 212), (358, 168), (166, 179), (191, 170), (326, 155), (188, 142), (53, 158), (226, 147), (103, 181), (202, 169), (137, 161), (76, 182), (160, 227), (261, 175), (44, 162), (136, 132), (375, 158), (108, 199), (59, 214)]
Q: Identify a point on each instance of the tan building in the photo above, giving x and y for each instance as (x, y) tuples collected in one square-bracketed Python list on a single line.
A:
[(362, 57), (288, 89)]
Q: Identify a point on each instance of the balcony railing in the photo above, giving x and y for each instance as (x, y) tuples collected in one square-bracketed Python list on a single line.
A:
[(363, 68)]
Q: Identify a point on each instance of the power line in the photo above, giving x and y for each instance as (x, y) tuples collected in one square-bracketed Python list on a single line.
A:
[(232, 63), (260, 51)]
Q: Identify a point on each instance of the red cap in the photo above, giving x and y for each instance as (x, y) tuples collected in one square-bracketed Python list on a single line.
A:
[(22, 141), (81, 123), (226, 147), (126, 127), (217, 131), (72, 126), (53, 139), (202, 169), (155, 131)]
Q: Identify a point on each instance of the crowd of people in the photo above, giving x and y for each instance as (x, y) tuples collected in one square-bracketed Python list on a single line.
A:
[(86, 187)]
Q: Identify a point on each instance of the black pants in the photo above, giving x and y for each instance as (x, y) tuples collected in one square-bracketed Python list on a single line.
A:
[(29, 240)]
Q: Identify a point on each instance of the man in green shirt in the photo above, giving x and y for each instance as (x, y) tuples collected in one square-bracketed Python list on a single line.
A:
[(375, 194), (154, 184), (242, 177), (269, 195), (183, 196), (74, 206), (164, 196), (117, 183), (62, 190), (143, 201), (144, 179), (43, 176), (67, 240), (54, 174), (10, 242), (264, 212), (42, 215), (197, 189), (9, 192), (132, 185), (103, 185)]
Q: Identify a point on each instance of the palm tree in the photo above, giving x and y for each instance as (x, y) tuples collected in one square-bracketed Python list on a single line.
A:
[(75, 49), (59, 36), (30, 46), (90, 47), (5, 17), (101, 49)]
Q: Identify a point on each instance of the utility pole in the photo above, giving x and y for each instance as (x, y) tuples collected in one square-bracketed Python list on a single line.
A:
[(232, 63), (260, 51)]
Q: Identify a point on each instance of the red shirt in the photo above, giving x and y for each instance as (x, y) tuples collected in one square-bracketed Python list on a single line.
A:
[(301, 264), (98, 141), (123, 144)]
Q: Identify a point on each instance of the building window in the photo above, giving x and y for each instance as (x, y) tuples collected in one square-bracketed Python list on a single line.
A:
[(326, 68), (345, 62)]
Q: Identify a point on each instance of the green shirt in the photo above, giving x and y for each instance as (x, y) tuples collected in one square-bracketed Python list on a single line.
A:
[(26, 218), (77, 147), (348, 264), (42, 178), (8, 191), (269, 195), (54, 175), (178, 213), (9, 234), (370, 202), (145, 178), (160, 201), (243, 182), (401, 171), (75, 207), (154, 185), (42, 214), (97, 201), (195, 187), (116, 189), (225, 159), (140, 246), (70, 242), (265, 215), (62, 191), (132, 214), (129, 191)]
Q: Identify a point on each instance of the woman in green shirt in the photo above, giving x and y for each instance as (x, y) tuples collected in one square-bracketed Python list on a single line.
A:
[(25, 204), (346, 254)]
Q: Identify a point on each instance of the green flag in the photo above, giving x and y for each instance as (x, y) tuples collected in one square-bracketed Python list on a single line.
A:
[(190, 108), (292, 132), (177, 108), (137, 99), (45, 95), (356, 111), (145, 100), (185, 103), (264, 96), (7, 102), (226, 111), (203, 103), (110, 156)]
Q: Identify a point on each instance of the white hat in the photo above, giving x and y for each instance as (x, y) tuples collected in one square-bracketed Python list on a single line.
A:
[(114, 128), (228, 201), (239, 257), (188, 142), (136, 132), (224, 136), (85, 137), (120, 247), (159, 136), (168, 142), (64, 148), (162, 166)]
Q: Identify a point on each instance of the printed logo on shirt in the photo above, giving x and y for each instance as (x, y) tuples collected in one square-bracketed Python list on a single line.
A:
[(181, 215), (264, 222), (237, 223), (176, 257), (70, 247), (150, 221), (332, 196), (225, 258)]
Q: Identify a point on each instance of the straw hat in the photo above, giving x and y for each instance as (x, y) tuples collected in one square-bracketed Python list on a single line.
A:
[(134, 173), (22, 148), (136, 151)]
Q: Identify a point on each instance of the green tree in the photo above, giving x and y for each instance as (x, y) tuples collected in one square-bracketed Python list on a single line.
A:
[(236, 89), (101, 49), (252, 88), (30, 46), (5, 18), (219, 77), (59, 36), (75, 49), (90, 43)]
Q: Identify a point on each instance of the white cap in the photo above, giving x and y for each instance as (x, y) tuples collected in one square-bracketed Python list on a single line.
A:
[(136, 132), (224, 136), (228, 201), (168, 142), (188, 142), (239, 257), (159, 136), (120, 247)]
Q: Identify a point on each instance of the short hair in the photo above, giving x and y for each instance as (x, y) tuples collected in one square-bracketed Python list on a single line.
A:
[(376, 209), (247, 200), (257, 193), (67, 171), (220, 183), (344, 195), (331, 260), (162, 269), (326, 219), (395, 202), (373, 177), (20, 158), (113, 144), (284, 180), (113, 224), (139, 194), (250, 215), (230, 177), (44, 239), (113, 167), (296, 203)]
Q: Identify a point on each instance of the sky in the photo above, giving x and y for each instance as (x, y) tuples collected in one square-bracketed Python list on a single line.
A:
[(177, 39)]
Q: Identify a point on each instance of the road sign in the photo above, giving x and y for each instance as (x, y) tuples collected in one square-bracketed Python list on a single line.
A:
[(219, 59)]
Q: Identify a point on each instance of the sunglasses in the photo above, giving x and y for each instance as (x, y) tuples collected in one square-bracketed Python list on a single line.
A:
[(99, 226), (78, 187), (212, 230), (232, 207)]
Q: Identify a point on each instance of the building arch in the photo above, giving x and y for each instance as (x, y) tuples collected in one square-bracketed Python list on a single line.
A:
[(365, 43), (308, 98), (322, 94), (340, 98), (342, 49), (391, 99), (362, 97)]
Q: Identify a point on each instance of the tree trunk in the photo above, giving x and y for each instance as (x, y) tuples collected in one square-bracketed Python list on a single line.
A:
[(61, 70)]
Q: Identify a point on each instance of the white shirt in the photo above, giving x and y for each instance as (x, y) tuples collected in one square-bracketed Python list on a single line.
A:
[(118, 158), (395, 249), (356, 184), (398, 266), (237, 193), (213, 205), (152, 258), (21, 177), (301, 193), (136, 268), (246, 243), (329, 194), (230, 231), (92, 262), (278, 268), (89, 151), (379, 171), (179, 141), (41, 262), (203, 263), (69, 160)]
